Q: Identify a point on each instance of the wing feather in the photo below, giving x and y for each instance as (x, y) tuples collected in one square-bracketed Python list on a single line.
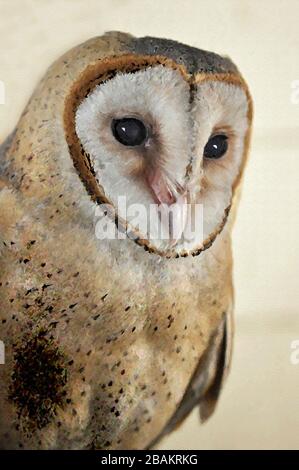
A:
[(206, 384)]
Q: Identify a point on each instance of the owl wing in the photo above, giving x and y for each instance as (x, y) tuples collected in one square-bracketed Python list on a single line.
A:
[(4, 146), (7, 195), (206, 383), (218, 360)]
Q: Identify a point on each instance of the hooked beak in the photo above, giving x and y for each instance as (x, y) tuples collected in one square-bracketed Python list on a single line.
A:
[(172, 201), (160, 187)]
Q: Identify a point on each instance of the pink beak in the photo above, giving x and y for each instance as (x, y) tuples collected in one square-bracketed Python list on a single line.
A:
[(158, 184), (165, 198)]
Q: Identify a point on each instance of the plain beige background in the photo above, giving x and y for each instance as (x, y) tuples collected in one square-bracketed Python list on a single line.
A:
[(259, 407)]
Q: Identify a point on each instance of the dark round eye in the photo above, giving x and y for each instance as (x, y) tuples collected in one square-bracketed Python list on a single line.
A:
[(129, 131), (216, 147)]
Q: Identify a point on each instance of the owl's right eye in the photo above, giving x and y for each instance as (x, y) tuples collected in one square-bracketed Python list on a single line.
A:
[(129, 131)]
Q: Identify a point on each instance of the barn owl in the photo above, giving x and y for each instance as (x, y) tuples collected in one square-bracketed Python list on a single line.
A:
[(111, 341)]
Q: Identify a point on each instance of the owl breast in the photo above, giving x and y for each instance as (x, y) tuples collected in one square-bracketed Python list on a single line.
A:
[(111, 360)]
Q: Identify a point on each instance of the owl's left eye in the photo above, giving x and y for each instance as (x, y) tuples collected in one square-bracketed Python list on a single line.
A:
[(216, 147), (129, 131)]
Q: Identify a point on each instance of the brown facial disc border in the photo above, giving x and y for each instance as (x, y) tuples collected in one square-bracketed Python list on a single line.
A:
[(102, 71)]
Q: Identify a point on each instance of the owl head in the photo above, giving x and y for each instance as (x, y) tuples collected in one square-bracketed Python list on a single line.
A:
[(157, 133)]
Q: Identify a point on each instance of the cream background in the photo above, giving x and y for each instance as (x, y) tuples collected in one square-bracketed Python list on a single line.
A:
[(259, 407)]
